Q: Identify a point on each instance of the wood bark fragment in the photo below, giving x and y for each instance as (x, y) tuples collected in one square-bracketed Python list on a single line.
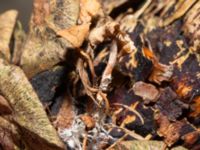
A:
[(29, 114)]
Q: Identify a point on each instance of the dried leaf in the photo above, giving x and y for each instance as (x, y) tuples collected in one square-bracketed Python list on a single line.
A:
[(7, 24), (41, 52), (75, 34), (29, 114), (43, 45)]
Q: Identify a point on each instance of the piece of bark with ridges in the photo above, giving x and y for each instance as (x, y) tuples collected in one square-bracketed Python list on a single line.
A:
[(29, 114)]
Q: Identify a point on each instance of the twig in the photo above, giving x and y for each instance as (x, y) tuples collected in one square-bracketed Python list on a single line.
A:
[(85, 80), (107, 104), (107, 74), (90, 63), (85, 142)]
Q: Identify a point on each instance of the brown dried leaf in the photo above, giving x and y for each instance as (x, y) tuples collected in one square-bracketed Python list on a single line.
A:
[(62, 14), (148, 92), (45, 48), (41, 52), (40, 11), (75, 34), (7, 24)]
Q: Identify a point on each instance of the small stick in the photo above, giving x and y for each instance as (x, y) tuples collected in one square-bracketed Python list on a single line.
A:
[(90, 63), (107, 74), (85, 142)]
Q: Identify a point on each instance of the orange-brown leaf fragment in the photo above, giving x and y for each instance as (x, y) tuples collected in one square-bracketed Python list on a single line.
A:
[(75, 34)]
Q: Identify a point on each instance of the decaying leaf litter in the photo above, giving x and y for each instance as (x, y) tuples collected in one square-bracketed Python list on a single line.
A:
[(101, 74)]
